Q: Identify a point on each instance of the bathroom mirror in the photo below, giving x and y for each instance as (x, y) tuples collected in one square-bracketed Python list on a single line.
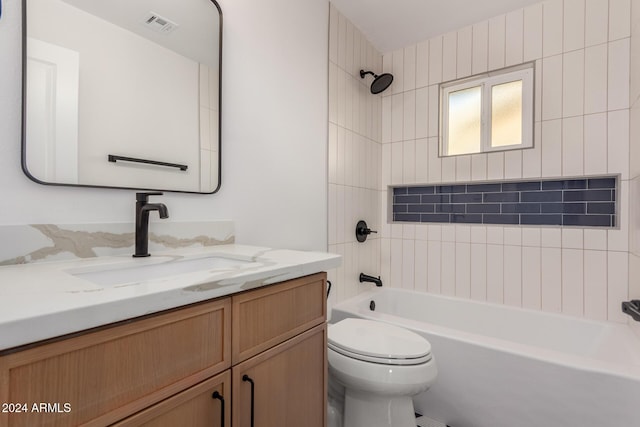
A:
[(122, 94)]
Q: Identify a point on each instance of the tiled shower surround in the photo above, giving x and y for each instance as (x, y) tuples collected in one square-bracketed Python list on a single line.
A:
[(574, 202), (582, 51), (355, 155)]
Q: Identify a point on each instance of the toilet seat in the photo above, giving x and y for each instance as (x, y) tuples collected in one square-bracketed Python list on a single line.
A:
[(377, 342), (378, 368)]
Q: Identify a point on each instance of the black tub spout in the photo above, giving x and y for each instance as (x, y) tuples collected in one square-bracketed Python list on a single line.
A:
[(367, 278)]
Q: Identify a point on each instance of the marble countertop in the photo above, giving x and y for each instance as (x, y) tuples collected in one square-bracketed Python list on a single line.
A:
[(48, 299)]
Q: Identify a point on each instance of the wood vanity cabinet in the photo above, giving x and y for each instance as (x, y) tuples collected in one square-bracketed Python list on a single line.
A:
[(106, 375), (164, 369), (194, 407), (279, 352), (284, 386)]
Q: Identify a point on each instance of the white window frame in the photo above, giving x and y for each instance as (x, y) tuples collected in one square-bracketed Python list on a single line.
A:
[(487, 81)]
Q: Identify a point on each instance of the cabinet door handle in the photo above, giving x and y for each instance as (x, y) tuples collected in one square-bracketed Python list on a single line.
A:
[(246, 378), (218, 396)]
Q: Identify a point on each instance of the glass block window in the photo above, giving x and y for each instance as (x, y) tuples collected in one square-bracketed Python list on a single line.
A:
[(490, 112)]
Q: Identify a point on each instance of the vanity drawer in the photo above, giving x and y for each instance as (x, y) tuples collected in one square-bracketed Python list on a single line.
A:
[(265, 317), (194, 407), (111, 373)]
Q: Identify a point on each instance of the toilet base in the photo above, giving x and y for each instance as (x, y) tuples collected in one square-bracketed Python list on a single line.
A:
[(334, 413), (364, 409)]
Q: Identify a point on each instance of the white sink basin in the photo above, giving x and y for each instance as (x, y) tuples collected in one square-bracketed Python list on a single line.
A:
[(121, 273)]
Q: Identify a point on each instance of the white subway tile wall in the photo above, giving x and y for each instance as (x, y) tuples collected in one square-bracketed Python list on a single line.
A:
[(633, 263), (584, 56), (582, 82), (355, 150)]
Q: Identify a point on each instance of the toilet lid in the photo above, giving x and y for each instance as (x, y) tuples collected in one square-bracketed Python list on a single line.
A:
[(378, 342)]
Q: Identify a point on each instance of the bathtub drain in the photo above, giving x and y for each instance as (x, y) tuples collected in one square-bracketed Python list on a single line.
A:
[(372, 305)]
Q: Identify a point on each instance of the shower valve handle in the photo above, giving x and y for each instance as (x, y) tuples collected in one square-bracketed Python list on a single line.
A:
[(362, 231)]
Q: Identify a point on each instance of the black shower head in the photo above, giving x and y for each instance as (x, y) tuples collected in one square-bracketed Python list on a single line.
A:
[(380, 83)]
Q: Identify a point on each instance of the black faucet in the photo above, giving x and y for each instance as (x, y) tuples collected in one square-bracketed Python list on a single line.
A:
[(143, 207), (367, 278)]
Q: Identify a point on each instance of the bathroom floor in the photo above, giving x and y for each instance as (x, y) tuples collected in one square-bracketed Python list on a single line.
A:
[(422, 421)]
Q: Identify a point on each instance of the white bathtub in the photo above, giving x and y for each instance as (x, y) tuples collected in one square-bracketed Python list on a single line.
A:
[(500, 366)]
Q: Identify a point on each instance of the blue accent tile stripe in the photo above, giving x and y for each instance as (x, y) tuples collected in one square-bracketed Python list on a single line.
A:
[(435, 198), (501, 197), (483, 208), (588, 195), (521, 208), (420, 190), (589, 202), (434, 218), (448, 208), (406, 217), (466, 198), (541, 196), (427, 207), (521, 186), (484, 188), (601, 208), (501, 219), (602, 183), (406, 199), (467, 219), (569, 184)]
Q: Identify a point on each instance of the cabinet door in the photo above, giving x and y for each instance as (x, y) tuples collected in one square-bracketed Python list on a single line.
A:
[(265, 317), (109, 374), (206, 404), (289, 384)]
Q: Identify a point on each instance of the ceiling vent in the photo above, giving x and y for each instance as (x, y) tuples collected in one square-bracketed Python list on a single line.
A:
[(159, 24)]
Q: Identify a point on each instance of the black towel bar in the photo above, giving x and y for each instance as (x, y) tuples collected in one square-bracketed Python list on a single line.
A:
[(113, 158)]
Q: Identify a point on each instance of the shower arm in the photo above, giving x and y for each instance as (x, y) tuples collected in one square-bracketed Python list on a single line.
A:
[(364, 73)]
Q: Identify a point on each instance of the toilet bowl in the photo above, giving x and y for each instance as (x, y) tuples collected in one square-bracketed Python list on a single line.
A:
[(374, 371)]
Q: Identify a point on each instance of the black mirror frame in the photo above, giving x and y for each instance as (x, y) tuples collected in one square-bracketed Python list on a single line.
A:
[(23, 150)]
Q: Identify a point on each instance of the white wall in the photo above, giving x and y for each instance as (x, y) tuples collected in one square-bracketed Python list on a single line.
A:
[(274, 133), (275, 120)]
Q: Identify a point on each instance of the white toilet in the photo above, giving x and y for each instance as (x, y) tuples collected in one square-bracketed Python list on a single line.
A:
[(374, 371)]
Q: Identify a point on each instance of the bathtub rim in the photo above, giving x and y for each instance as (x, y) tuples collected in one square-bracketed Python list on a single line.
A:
[(353, 306)]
